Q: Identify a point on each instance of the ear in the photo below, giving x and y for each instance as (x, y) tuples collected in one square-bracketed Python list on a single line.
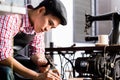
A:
[(41, 10)]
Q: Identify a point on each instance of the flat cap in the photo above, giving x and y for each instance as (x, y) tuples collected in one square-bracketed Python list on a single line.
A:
[(58, 8)]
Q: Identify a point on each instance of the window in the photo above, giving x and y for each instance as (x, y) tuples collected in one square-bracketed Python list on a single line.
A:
[(80, 8)]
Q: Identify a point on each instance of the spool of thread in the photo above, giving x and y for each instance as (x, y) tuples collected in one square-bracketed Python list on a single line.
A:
[(103, 40)]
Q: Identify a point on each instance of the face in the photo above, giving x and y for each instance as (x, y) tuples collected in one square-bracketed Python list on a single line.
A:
[(43, 22)]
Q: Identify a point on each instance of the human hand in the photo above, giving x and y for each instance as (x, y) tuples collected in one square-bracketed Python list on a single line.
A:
[(48, 75), (56, 71)]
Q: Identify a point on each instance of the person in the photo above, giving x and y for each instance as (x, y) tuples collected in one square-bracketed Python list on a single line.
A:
[(47, 15)]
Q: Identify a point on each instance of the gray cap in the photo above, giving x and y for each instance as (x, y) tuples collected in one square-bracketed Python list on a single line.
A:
[(57, 8)]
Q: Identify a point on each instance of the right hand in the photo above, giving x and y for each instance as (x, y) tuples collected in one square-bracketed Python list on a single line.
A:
[(48, 75)]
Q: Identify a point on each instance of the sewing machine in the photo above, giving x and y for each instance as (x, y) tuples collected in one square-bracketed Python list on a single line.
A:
[(101, 65), (114, 36)]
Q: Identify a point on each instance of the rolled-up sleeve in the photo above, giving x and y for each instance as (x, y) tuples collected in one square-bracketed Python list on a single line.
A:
[(8, 25), (6, 36)]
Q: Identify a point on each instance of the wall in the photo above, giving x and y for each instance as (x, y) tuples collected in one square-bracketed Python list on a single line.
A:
[(35, 2), (104, 7), (81, 7), (115, 6)]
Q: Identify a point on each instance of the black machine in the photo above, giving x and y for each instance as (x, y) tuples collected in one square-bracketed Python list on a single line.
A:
[(101, 65), (114, 36)]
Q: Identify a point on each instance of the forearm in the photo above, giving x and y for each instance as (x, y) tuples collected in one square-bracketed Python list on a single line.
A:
[(19, 68)]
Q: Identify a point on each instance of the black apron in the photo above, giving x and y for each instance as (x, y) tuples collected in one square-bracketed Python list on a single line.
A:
[(20, 42)]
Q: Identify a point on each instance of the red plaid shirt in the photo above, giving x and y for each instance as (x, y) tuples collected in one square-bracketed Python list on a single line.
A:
[(10, 25)]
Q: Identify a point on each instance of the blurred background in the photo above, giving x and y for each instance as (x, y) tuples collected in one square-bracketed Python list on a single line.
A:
[(74, 31)]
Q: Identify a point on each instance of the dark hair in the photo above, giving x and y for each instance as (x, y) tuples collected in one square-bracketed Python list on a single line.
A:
[(55, 8)]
